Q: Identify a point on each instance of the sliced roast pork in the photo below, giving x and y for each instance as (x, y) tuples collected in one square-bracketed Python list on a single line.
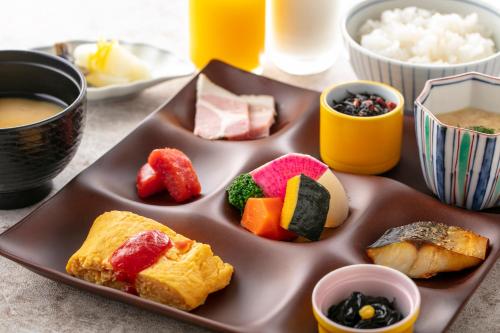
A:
[(262, 113), (219, 113)]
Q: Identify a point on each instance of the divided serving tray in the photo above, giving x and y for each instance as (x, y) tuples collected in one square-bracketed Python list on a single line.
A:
[(271, 288)]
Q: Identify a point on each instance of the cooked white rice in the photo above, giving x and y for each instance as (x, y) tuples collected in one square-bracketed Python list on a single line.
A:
[(420, 36)]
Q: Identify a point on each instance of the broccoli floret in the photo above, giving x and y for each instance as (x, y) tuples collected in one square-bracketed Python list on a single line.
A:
[(241, 189)]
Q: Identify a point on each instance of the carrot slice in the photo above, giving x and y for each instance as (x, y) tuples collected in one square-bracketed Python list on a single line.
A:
[(262, 217)]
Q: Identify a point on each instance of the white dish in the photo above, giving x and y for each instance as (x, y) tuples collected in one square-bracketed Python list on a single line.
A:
[(410, 78), (164, 66)]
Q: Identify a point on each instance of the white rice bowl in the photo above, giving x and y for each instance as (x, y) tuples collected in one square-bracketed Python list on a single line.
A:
[(421, 36)]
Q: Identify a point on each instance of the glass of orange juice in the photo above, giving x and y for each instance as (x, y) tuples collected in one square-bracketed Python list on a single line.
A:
[(228, 30)]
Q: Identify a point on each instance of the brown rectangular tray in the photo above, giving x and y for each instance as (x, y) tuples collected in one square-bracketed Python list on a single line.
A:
[(272, 284)]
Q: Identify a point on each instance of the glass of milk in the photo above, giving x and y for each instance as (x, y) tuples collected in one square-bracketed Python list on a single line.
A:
[(303, 34)]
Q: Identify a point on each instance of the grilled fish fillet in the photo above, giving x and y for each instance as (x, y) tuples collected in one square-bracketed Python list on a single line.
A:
[(423, 249), (183, 277)]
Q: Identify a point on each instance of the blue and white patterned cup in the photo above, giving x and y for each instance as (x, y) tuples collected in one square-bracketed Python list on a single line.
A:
[(461, 166)]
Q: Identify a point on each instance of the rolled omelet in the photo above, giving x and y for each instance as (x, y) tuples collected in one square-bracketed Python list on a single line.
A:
[(182, 277)]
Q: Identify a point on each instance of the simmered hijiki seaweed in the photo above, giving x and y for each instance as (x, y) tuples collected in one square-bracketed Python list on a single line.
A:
[(361, 311), (363, 105)]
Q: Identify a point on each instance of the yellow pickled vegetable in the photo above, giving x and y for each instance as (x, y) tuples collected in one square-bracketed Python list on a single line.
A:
[(108, 63)]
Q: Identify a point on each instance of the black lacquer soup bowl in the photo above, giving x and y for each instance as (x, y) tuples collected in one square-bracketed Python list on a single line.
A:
[(32, 155)]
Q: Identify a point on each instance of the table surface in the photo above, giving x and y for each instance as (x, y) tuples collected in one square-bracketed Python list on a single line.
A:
[(31, 303)]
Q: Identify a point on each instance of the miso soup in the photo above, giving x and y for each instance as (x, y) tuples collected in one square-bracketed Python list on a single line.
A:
[(20, 111), (472, 118)]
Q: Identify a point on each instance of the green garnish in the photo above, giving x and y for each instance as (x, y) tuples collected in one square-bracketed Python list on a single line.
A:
[(482, 129), (241, 189)]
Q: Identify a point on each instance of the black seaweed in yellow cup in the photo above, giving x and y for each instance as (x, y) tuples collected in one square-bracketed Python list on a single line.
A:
[(35, 150), (361, 144), (369, 280)]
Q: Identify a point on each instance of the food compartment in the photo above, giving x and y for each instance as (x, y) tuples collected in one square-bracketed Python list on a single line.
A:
[(232, 215), (362, 193), (117, 172), (400, 205), (290, 102)]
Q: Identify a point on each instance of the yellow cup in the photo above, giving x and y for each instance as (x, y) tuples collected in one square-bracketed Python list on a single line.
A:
[(363, 145), (325, 326)]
